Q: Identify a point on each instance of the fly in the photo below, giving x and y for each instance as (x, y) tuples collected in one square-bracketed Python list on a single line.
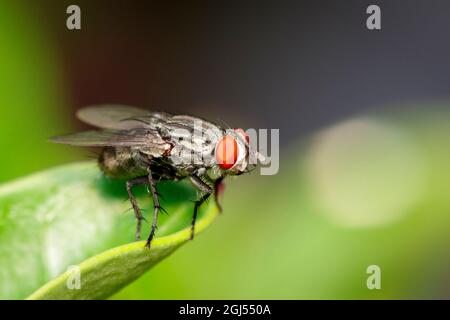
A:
[(145, 147)]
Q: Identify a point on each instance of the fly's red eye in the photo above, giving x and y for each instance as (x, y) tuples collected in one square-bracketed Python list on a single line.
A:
[(227, 152)]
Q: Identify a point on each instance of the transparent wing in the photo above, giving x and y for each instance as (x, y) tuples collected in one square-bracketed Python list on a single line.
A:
[(119, 117), (138, 137)]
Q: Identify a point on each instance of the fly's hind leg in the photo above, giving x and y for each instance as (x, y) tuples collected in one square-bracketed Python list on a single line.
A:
[(203, 187), (137, 211), (156, 206)]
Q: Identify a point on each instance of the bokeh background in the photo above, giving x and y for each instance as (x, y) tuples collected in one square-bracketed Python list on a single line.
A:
[(364, 131)]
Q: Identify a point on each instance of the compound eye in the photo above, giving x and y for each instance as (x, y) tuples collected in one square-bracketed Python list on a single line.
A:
[(227, 152)]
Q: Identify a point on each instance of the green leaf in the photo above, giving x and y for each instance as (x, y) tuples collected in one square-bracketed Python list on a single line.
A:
[(74, 216)]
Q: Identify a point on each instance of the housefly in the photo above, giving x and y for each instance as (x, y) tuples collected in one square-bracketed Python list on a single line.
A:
[(145, 147)]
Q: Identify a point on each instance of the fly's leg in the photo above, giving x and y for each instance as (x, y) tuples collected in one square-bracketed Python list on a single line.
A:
[(203, 187), (137, 211), (218, 191), (156, 206)]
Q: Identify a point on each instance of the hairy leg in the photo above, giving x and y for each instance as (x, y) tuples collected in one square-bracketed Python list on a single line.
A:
[(137, 211), (156, 206), (203, 187)]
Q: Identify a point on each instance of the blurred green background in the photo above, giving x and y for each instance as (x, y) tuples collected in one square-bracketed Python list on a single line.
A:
[(357, 186)]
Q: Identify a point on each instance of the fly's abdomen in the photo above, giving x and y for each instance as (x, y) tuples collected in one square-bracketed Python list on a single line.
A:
[(121, 163)]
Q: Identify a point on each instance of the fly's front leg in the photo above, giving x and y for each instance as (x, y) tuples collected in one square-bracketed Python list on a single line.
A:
[(203, 187), (156, 206), (137, 211), (218, 191)]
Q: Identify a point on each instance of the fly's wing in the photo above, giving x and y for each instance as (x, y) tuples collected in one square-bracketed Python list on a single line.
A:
[(120, 117), (148, 141)]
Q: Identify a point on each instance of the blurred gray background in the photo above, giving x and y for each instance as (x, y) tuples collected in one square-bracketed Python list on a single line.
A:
[(293, 65)]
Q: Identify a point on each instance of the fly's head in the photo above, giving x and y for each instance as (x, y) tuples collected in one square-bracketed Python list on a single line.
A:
[(232, 153)]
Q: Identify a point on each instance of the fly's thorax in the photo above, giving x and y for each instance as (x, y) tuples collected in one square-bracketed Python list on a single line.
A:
[(194, 146)]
